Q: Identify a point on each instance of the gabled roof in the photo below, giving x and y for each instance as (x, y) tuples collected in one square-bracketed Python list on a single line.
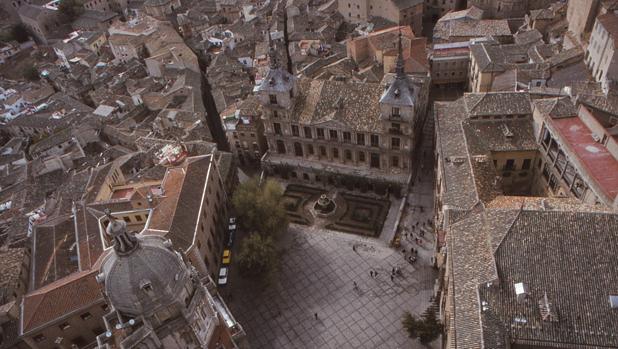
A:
[(54, 301), (609, 21), (187, 209), (557, 256), (355, 105), (558, 107), (497, 103)]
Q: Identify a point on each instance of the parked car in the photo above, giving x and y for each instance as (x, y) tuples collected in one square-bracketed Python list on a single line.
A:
[(223, 276), (227, 256), (230, 239), (232, 225), (231, 231)]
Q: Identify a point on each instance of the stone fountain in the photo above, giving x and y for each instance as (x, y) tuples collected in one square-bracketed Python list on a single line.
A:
[(324, 206)]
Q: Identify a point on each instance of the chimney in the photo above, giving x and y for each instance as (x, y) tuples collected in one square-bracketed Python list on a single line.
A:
[(521, 291)]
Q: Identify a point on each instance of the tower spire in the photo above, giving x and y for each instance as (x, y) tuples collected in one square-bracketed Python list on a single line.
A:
[(272, 53), (124, 242), (399, 70)]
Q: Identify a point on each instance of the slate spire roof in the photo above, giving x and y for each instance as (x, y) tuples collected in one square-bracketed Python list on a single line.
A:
[(401, 90), (399, 70)]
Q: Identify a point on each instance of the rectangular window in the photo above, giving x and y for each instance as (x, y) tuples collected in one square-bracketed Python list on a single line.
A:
[(273, 99), (139, 218), (310, 149), (332, 134), (348, 154), (396, 111), (335, 153), (361, 156), (395, 161), (360, 139), (322, 151), (347, 137), (510, 165), (320, 133), (375, 140), (307, 132), (275, 114), (277, 127), (526, 164), (295, 131), (395, 143)]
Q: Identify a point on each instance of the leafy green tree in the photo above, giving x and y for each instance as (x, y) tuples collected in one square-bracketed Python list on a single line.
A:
[(20, 33), (258, 255), (71, 8), (426, 328), (31, 73), (260, 207)]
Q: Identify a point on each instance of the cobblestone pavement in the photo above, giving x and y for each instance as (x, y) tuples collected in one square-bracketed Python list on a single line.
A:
[(318, 271)]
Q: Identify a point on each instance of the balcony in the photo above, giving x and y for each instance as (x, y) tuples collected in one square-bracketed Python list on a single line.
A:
[(395, 131)]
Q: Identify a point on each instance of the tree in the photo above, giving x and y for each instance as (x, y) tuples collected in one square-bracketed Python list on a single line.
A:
[(71, 8), (426, 329), (31, 73), (20, 33), (258, 255), (260, 207)]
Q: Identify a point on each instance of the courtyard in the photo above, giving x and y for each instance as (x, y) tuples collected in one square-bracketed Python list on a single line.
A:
[(318, 268), (352, 213)]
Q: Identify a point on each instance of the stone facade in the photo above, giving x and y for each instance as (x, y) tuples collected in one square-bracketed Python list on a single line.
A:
[(450, 63), (40, 21), (509, 8), (400, 12), (321, 131), (438, 8), (601, 52)]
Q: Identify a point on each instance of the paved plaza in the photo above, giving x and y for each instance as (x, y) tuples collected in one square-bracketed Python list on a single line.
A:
[(317, 273), (318, 269)]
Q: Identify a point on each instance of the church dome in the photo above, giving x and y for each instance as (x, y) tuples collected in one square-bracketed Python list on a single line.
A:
[(145, 279)]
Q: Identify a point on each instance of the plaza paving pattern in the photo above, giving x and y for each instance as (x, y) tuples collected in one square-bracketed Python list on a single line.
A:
[(318, 269)]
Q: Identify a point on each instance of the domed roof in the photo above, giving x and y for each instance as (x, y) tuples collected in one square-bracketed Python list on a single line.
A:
[(149, 277)]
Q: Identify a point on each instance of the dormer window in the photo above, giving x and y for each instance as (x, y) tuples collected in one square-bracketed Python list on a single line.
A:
[(396, 111), (273, 99), (146, 286)]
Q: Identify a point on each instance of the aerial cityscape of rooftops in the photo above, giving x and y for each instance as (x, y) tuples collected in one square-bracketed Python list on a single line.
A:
[(278, 174)]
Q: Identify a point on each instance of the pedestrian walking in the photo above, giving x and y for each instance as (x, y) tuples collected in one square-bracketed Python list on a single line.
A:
[(391, 277), (371, 273), (354, 248), (393, 271), (355, 285), (315, 315), (422, 233)]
